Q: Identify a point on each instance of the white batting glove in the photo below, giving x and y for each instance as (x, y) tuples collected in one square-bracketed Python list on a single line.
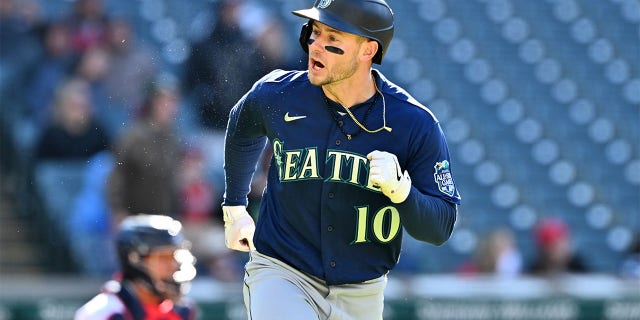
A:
[(238, 228), (385, 173)]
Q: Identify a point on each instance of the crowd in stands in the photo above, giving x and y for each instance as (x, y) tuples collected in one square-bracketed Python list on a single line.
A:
[(102, 131), (83, 91)]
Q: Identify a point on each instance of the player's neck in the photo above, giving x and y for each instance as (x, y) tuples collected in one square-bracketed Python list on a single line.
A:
[(353, 90), (145, 295)]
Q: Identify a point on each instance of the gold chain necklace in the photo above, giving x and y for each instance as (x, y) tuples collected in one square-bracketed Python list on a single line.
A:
[(384, 115), (341, 123)]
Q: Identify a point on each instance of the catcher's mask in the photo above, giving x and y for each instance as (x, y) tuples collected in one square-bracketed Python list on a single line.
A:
[(141, 235)]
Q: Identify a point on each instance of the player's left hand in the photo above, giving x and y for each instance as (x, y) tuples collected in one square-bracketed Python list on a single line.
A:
[(385, 172)]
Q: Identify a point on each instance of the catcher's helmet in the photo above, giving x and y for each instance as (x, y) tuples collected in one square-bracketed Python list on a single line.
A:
[(140, 235), (371, 19)]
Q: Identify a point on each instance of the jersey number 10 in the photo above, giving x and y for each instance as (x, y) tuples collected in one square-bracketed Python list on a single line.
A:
[(385, 224)]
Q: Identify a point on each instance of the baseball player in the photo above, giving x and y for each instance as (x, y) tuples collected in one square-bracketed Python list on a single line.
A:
[(156, 264), (356, 160)]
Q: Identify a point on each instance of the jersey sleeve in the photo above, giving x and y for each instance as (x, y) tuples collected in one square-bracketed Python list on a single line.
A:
[(244, 141), (429, 212)]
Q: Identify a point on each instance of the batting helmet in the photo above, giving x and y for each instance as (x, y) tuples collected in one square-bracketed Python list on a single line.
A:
[(140, 235), (371, 19)]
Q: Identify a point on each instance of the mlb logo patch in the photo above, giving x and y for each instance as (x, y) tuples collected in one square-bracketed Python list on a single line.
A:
[(323, 4), (443, 178)]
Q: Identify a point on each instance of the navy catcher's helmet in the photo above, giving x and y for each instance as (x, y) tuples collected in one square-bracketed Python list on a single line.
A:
[(371, 19), (138, 236)]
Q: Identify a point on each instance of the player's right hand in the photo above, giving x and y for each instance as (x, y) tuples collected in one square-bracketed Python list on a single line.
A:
[(238, 228), (385, 173)]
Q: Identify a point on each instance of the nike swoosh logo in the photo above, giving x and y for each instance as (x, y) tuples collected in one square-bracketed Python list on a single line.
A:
[(289, 118)]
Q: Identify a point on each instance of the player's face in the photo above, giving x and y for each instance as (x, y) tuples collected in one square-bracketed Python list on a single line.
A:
[(162, 264), (333, 54)]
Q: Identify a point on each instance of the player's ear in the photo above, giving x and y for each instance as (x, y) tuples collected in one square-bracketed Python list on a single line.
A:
[(369, 49)]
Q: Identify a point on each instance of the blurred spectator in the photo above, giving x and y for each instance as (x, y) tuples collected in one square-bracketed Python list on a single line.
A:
[(19, 51), (197, 195), (73, 132), (267, 33), (51, 70), (555, 254), (222, 67), (31, 13), (90, 226), (7, 161), (130, 71), (631, 263), (92, 67), (88, 23), (68, 141), (201, 222), (497, 254), (147, 157), (244, 44), (53, 67), (19, 46)]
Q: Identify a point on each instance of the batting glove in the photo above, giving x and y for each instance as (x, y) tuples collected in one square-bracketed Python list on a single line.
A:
[(385, 173), (238, 228)]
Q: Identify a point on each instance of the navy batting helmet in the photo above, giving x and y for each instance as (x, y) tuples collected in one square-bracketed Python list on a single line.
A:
[(139, 236), (371, 19)]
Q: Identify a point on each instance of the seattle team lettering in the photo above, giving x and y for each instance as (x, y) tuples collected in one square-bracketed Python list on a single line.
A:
[(302, 164)]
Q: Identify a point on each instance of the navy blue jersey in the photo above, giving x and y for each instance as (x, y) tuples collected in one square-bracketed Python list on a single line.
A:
[(319, 213)]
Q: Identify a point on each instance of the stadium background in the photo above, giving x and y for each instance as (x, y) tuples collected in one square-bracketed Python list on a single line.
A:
[(540, 102)]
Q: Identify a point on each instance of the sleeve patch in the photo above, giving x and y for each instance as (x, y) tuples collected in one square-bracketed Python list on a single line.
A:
[(443, 178)]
